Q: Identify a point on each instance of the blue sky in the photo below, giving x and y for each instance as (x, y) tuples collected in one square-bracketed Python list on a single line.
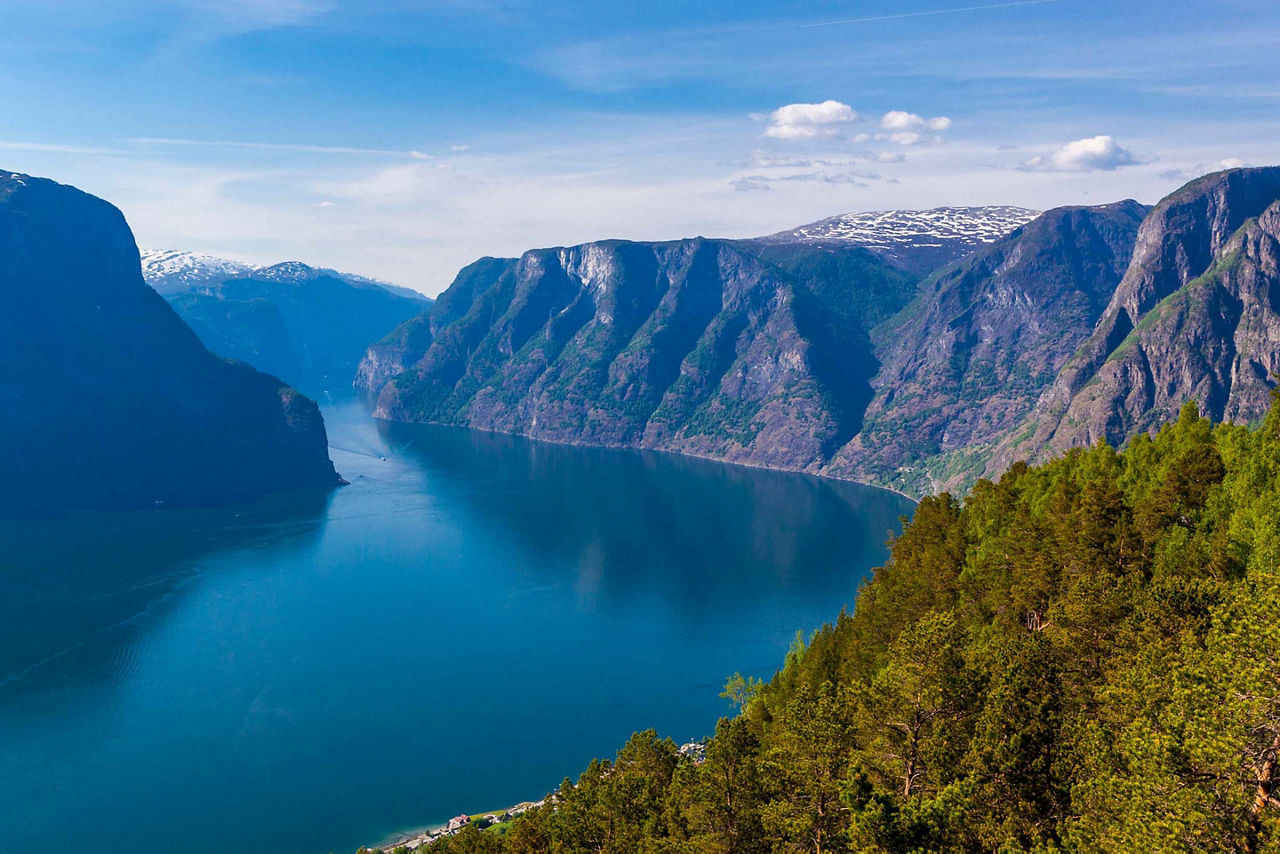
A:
[(404, 139)]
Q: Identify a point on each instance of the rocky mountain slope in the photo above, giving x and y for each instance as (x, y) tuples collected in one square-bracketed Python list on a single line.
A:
[(828, 354), (110, 401), (1195, 318), (919, 241), (307, 325), (695, 346), (968, 359)]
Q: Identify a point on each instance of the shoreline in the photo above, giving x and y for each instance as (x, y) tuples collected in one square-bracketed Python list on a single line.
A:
[(416, 838), (688, 454), (692, 751)]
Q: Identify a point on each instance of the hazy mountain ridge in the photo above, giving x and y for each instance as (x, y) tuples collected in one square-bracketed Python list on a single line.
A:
[(307, 325), (173, 271), (110, 400)]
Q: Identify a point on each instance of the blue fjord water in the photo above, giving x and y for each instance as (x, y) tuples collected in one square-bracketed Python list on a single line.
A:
[(468, 622)]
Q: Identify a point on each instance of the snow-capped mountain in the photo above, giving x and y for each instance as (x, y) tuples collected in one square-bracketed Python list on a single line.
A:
[(173, 272), (914, 239)]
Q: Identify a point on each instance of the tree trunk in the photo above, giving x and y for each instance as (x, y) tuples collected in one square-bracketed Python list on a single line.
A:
[(1262, 796)]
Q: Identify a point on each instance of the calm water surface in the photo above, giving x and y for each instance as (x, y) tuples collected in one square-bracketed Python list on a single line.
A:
[(468, 622)]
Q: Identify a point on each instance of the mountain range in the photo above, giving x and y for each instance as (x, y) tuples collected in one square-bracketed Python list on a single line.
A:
[(916, 349), (308, 325), (172, 271), (110, 400)]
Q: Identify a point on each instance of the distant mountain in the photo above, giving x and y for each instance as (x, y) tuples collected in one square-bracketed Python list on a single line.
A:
[(172, 271), (109, 399), (919, 241), (308, 325)]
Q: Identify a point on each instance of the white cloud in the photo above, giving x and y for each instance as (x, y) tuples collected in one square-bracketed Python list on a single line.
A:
[(1232, 163), (1093, 154), (908, 128), (901, 120), (809, 121), (890, 157)]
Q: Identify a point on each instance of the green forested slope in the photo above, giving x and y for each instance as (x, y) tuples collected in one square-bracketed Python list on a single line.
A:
[(1080, 657)]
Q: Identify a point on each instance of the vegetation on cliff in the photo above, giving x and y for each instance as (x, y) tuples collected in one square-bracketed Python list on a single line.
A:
[(1082, 656)]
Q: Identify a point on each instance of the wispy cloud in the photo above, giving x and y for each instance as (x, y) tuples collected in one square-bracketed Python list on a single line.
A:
[(1186, 174), (55, 148), (283, 146), (207, 22), (924, 13), (232, 16)]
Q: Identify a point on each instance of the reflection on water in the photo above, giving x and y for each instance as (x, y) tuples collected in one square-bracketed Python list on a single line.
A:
[(701, 531), (470, 620), (82, 584)]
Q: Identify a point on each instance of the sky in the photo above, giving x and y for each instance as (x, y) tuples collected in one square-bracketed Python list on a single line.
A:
[(404, 139)]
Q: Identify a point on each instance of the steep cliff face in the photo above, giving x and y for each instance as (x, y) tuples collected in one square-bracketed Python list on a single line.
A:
[(696, 346), (1187, 322), (1215, 340), (109, 400), (821, 355), (967, 360)]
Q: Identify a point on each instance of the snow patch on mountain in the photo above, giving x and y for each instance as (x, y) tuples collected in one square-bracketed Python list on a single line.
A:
[(894, 234), (173, 271)]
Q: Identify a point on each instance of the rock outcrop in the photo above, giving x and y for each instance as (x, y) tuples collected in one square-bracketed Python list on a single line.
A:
[(1191, 320), (969, 358)]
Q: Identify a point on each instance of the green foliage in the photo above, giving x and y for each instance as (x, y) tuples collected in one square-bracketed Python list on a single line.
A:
[(741, 690), (1083, 656)]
